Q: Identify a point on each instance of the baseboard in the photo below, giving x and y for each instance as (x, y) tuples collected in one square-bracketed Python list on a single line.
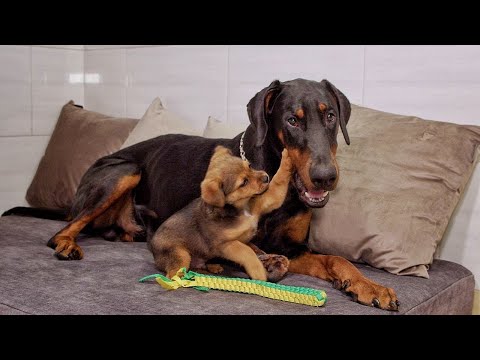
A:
[(476, 303)]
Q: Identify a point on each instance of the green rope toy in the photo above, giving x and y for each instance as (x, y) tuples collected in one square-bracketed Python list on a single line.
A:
[(294, 294)]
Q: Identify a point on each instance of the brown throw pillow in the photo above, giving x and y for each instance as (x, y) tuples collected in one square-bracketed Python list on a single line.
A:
[(400, 180), (78, 140)]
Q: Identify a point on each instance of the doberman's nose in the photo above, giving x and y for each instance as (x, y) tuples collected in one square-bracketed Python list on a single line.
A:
[(323, 177), (265, 179)]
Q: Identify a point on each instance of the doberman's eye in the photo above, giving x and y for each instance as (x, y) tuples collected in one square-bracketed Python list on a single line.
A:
[(331, 117), (293, 121), (244, 183)]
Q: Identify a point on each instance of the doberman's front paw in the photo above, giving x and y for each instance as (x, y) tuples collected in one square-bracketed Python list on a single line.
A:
[(275, 265), (368, 293), (65, 248)]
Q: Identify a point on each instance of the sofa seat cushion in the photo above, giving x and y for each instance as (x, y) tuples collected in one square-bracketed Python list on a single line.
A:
[(33, 281)]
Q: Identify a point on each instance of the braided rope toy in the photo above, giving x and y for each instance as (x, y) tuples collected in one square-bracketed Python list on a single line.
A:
[(294, 294)]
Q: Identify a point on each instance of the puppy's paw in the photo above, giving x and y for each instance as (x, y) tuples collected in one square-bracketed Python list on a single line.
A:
[(275, 265), (286, 162), (214, 268), (126, 237)]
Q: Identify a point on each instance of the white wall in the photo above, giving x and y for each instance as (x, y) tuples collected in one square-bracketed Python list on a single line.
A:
[(35, 81), (433, 82), (191, 80), (437, 82)]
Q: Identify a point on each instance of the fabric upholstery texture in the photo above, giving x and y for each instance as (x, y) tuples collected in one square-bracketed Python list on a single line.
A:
[(400, 180), (33, 281), (80, 138)]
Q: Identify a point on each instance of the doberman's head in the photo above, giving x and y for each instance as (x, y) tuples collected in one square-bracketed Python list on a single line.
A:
[(303, 116)]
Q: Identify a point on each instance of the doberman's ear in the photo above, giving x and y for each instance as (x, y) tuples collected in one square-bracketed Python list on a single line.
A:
[(345, 108), (212, 192), (259, 107)]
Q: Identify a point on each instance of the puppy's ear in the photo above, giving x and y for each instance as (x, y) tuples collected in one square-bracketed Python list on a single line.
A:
[(221, 150), (344, 106), (212, 192), (259, 107)]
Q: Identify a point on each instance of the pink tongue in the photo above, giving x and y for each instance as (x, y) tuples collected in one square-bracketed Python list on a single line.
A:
[(317, 193)]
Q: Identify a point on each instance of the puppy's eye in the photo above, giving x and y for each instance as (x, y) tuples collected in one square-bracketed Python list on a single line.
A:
[(292, 122), (331, 117), (245, 182)]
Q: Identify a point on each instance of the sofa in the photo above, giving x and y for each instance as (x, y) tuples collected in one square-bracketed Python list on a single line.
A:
[(33, 281)]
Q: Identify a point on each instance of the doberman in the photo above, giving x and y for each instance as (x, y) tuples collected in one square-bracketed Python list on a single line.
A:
[(164, 174)]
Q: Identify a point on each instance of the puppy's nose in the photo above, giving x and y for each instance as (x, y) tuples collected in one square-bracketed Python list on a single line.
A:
[(265, 179)]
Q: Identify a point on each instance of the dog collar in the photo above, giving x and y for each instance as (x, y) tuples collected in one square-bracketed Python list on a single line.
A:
[(242, 151)]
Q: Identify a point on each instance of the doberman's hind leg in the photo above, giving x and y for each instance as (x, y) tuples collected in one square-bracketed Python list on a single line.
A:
[(118, 221), (101, 188), (345, 276)]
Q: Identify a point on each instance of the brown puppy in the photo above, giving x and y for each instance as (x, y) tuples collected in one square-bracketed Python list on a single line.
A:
[(224, 219)]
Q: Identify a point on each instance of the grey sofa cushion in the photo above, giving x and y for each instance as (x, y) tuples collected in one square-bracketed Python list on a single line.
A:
[(33, 281)]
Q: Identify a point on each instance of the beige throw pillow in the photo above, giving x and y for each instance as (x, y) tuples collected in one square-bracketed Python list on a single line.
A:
[(80, 138), (219, 129), (400, 180), (157, 121)]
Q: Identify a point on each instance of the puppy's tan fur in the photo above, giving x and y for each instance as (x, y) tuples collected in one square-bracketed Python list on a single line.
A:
[(224, 219)]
